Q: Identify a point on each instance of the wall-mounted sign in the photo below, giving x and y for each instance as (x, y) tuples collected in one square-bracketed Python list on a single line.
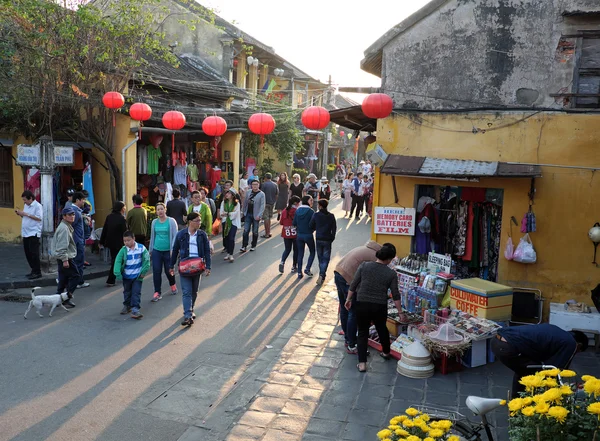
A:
[(28, 155), (63, 155), (395, 220), (440, 262)]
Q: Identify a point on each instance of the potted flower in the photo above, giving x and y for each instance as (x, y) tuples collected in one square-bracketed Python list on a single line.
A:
[(549, 410), (417, 426)]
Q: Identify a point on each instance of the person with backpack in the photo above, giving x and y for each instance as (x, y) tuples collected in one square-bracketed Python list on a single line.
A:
[(288, 233), (323, 222)]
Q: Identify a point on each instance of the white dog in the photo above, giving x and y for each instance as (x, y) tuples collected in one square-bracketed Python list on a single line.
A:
[(53, 301)]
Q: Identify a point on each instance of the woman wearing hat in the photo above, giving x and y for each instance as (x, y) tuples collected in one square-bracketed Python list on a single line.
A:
[(231, 221), (325, 190)]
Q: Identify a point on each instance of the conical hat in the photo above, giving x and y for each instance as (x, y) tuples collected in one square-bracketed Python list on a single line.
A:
[(446, 334)]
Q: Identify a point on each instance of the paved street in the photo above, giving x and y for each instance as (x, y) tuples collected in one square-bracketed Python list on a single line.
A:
[(94, 374)]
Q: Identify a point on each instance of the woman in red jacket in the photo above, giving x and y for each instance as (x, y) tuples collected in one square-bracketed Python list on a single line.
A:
[(288, 232)]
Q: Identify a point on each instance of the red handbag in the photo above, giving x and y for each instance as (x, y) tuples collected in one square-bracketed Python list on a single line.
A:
[(192, 266)]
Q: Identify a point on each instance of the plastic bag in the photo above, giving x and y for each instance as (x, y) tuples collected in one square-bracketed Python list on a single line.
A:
[(525, 252), (509, 251), (216, 227)]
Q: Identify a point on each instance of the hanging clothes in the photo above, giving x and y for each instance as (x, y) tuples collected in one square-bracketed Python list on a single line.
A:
[(154, 154), (192, 172), (476, 237), (33, 182), (179, 175), (88, 185), (461, 230)]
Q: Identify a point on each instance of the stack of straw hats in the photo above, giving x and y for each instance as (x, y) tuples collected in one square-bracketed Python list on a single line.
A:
[(415, 362)]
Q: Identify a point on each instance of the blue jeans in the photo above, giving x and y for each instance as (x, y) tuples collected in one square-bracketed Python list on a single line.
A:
[(79, 260), (229, 240), (324, 255), (132, 294), (189, 287), (250, 222), (161, 261), (305, 239), (290, 244), (347, 318)]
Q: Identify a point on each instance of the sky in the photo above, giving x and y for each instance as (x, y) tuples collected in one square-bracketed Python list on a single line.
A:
[(320, 37)]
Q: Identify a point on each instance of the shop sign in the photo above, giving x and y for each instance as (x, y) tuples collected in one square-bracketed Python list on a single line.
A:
[(28, 155), (63, 155), (439, 262), (395, 220)]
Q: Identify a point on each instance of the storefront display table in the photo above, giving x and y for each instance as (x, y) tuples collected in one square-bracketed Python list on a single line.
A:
[(589, 323), (375, 344)]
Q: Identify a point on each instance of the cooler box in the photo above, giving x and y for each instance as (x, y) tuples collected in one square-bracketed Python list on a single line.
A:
[(481, 298)]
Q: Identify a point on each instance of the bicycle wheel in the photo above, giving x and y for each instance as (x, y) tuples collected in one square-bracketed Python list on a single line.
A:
[(464, 430)]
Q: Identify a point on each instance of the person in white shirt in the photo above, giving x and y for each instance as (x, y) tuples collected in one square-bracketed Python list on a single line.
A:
[(31, 231)]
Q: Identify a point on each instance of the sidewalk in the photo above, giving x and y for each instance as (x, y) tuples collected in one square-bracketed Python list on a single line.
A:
[(15, 268), (315, 393)]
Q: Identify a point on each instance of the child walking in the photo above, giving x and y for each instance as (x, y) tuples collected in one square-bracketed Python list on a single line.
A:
[(131, 265)]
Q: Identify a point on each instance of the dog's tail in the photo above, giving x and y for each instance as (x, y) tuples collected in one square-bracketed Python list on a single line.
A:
[(33, 290)]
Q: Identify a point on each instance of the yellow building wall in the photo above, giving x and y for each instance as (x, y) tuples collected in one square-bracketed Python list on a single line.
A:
[(10, 223), (565, 204), (124, 136), (230, 143), (101, 181)]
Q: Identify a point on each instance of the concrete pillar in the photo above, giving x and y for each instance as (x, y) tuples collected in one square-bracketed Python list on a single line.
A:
[(252, 79), (241, 71), (47, 197)]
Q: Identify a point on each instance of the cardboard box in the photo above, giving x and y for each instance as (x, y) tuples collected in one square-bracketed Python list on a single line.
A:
[(481, 298), (376, 154)]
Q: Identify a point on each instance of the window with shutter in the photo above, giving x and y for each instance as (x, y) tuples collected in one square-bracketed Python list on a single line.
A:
[(6, 179), (588, 74)]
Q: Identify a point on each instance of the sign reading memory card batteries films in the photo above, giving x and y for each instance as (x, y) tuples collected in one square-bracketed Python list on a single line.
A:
[(395, 220)]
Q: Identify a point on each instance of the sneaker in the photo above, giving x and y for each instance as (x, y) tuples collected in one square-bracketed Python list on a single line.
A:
[(110, 285), (308, 273), (352, 350), (231, 259), (125, 310), (226, 257), (174, 290), (187, 322), (243, 249), (300, 276), (136, 315), (34, 276), (281, 267), (294, 269), (156, 297), (320, 280), (83, 285), (253, 249), (193, 315)]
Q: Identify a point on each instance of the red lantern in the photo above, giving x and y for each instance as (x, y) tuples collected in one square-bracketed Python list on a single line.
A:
[(140, 112), (173, 120), (214, 126), (261, 124), (113, 101), (315, 118), (377, 105), (341, 133)]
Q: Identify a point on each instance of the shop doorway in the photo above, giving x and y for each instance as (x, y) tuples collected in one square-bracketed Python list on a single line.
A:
[(464, 222)]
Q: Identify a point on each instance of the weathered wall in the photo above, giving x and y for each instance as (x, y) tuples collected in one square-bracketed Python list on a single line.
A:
[(10, 223), (564, 203), (484, 53)]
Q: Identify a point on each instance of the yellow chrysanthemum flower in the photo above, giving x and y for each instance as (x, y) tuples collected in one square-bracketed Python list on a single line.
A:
[(542, 408), (568, 373), (588, 377), (559, 413), (528, 411), (566, 390), (393, 426), (444, 424), (408, 423), (595, 409), (515, 404), (436, 433), (453, 438), (549, 372), (592, 387), (413, 438), (502, 402), (550, 382), (553, 395), (418, 421), (385, 433), (434, 425), (538, 399), (395, 420), (423, 426), (531, 382), (411, 411), (527, 401), (425, 417), (401, 432), (429, 439)]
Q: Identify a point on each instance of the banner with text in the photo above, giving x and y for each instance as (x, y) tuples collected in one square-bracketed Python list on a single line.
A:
[(395, 220)]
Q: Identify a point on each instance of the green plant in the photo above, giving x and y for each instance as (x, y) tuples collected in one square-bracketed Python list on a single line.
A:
[(267, 166)]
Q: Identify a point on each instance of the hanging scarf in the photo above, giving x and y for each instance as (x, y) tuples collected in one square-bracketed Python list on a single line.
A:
[(229, 207)]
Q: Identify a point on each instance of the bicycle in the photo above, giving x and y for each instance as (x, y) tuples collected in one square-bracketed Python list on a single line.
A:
[(469, 430)]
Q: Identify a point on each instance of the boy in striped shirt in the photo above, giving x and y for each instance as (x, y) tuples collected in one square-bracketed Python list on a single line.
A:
[(131, 265)]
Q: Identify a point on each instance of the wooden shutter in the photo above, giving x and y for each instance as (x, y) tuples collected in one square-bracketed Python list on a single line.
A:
[(6, 179)]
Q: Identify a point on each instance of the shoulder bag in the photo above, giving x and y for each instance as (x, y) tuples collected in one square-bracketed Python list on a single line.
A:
[(192, 266)]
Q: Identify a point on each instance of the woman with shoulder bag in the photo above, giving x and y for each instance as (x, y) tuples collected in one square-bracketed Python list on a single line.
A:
[(163, 231), (230, 221), (288, 233), (192, 248)]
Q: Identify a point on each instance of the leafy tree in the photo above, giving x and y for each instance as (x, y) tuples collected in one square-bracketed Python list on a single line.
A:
[(58, 58)]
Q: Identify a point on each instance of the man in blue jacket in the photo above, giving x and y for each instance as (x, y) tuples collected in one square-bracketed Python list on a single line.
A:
[(355, 197), (304, 235), (520, 346), (323, 222)]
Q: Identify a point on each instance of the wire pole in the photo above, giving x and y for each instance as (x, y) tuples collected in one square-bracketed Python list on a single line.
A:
[(325, 155)]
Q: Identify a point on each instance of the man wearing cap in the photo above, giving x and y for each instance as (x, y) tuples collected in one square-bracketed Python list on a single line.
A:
[(65, 251), (271, 190)]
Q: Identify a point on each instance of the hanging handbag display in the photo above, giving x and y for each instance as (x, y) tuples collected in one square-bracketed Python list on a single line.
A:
[(192, 266)]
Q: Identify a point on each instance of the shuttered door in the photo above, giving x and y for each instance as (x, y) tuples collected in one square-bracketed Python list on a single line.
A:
[(589, 73), (6, 179)]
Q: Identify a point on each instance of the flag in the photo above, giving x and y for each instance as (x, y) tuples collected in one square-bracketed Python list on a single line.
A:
[(272, 85), (265, 86)]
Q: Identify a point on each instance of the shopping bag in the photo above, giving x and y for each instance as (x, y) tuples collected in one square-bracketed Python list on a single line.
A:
[(216, 227), (525, 253), (509, 251)]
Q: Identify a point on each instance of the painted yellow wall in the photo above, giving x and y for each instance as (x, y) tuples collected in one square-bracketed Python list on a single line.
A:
[(102, 193), (123, 136), (10, 223), (230, 142), (565, 203)]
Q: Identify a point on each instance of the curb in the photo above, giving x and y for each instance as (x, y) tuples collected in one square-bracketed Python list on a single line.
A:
[(48, 279)]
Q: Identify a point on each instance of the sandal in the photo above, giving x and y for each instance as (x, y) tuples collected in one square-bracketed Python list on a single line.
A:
[(361, 370)]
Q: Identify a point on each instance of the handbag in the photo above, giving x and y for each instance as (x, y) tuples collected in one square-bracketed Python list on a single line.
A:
[(216, 227), (192, 266), (343, 195)]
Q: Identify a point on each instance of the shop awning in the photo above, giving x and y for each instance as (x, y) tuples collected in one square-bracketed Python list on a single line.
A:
[(423, 167), (353, 118)]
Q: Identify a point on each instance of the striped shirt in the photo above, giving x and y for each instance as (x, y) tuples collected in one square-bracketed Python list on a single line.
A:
[(194, 245), (133, 266)]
